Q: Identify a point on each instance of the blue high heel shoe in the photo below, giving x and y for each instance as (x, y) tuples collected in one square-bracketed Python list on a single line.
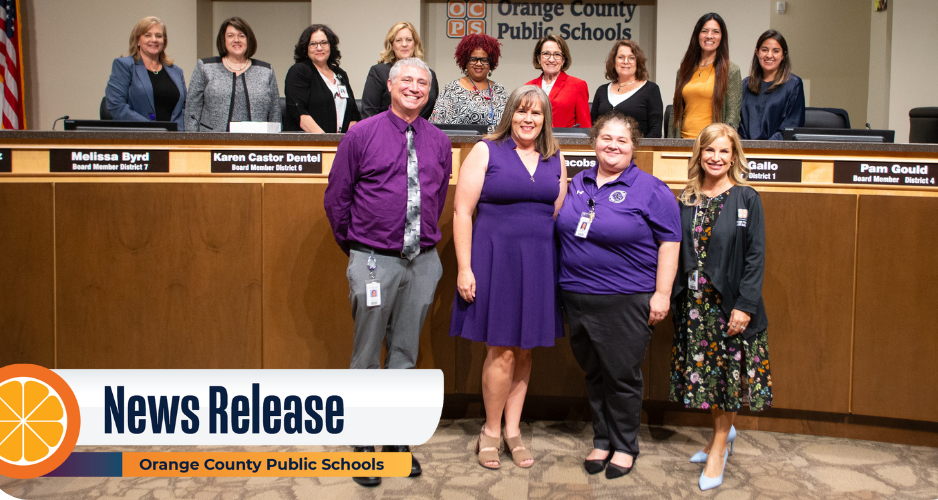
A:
[(700, 457), (708, 483)]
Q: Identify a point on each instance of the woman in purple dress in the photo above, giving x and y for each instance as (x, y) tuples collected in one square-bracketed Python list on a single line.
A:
[(507, 281)]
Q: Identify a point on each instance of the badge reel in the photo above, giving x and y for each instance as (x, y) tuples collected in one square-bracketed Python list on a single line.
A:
[(373, 287), (586, 220)]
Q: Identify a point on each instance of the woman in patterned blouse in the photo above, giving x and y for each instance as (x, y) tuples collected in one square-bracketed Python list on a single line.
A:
[(473, 99)]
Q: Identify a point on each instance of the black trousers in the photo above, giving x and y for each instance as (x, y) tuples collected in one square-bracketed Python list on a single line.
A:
[(609, 335)]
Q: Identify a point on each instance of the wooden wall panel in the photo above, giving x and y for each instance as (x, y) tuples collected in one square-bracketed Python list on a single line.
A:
[(895, 346), (27, 287), (307, 316), (158, 275), (808, 298), (807, 290)]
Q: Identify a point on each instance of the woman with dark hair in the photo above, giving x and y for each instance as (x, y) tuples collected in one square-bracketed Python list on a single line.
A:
[(620, 233), (773, 98), (569, 96), (401, 42), (506, 287), (709, 86), (630, 93), (232, 87), (318, 92), (145, 85), (720, 324), (473, 99)]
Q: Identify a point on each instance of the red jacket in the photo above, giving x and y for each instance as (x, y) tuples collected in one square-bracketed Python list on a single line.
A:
[(569, 101)]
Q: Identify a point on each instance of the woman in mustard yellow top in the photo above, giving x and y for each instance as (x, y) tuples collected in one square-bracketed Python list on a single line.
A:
[(709, 87)]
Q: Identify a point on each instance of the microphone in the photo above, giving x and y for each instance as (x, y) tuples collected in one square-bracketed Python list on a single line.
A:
[(57, 120), (869, 127)]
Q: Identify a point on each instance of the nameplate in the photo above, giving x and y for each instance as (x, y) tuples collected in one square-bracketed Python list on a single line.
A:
[(884, 173), (108, 161), (774, 170), (578, 162), (266, 162), (6, 165)]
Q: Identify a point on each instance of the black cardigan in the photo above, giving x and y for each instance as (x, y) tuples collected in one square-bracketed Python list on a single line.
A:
[(376, 98), (307, 94), (735, 258), (645, 106)]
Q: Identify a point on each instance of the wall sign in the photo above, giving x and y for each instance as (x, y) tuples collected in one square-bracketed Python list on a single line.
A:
[(6, 165), (578, 162), (773, 170), (108, 161), (884, 173), (266, 162)]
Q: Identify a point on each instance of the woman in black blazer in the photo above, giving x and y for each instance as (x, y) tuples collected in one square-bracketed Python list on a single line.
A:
[(318, 93), (631, 92), (401, 42), (719, 317)]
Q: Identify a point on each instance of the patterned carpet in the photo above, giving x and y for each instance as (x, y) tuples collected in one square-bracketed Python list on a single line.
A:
[(765, 465)]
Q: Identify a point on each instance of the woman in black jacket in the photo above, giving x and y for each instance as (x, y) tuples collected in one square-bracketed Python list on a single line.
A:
[(719, 316), (318, 93), (401, 42)]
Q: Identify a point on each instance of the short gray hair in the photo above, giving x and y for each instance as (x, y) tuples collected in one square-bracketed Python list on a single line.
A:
[(412, 62)]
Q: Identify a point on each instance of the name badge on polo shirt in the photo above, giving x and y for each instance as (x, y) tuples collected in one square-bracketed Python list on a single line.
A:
[(583, 227), (342, 91), (742, 216)]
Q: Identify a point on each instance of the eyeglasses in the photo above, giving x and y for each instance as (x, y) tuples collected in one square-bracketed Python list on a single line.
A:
[(479, 61), (313, 45), (552, 55)]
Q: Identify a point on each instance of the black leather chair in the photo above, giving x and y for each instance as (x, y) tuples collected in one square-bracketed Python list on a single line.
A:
[(923, 125), (826, 118), (103, 111), (667, 119)]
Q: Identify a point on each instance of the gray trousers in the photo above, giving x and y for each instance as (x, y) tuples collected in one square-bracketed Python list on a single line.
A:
[(608, 336), (407, 289)]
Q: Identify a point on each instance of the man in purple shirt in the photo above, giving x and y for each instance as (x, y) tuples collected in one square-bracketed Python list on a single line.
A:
[(386, 192)]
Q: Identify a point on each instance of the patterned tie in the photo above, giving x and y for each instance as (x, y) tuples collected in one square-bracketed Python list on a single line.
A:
[(412, 219)]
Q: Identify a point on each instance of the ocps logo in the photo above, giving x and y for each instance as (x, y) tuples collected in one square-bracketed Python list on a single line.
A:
[(465, 18)]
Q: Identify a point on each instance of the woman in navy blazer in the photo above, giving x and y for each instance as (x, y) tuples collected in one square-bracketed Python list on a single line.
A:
[(569, 96), (145, 85)]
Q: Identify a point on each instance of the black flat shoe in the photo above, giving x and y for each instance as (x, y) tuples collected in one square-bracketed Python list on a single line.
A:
[(362, 480), (614, 471), (415, 469), (597, 466)]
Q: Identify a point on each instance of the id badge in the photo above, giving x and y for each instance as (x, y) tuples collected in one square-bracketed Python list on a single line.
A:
[(693, 278), (583, 227), (373, 294), (342, 91)]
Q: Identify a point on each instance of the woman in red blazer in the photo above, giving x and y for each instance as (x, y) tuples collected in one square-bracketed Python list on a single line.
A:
[(569, 96)]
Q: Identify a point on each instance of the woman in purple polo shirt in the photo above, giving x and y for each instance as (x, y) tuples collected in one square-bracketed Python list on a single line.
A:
[(620, 233)]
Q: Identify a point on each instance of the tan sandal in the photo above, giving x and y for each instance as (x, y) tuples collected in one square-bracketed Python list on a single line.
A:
[(487, 449), (518, 452)]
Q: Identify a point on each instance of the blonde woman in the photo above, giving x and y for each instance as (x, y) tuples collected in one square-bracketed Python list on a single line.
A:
[(401, 42), (719, 316), (145, 85)]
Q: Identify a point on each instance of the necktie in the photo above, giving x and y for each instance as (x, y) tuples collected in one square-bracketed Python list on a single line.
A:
[(412, 218)]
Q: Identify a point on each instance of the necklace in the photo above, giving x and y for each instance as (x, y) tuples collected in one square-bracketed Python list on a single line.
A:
[(529, 153), (229, 66), (155, 72), (624, 85), (708, 65), (487, 82)]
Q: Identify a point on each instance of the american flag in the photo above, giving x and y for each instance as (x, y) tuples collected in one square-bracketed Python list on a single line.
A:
[(11, 61)]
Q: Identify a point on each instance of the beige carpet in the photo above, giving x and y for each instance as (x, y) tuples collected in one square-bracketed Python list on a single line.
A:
[(765, 465)]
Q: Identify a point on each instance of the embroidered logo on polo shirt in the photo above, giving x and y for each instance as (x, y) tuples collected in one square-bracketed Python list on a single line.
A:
[(617, 196)]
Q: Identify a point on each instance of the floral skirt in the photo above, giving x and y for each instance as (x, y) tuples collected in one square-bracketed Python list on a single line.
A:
[(706, 365)]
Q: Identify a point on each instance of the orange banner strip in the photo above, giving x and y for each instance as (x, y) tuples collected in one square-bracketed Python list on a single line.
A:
[(260, 464)]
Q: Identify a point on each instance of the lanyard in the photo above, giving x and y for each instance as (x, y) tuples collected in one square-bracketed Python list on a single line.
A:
[(490, 98), (694, 228)]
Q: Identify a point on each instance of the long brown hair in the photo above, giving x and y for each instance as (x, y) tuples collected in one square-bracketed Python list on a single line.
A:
[(692, 58), (739, 169), (756, 74), (524, 97)]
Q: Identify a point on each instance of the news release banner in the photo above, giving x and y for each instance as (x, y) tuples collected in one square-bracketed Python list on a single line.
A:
[(266, 162), (884, 172), (108, 161)]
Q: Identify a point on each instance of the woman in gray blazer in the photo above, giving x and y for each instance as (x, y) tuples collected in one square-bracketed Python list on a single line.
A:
[(145, 85), (232, 87)]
